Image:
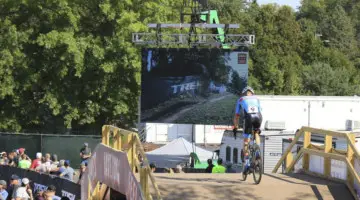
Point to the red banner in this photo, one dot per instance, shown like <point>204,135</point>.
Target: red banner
<point>220,127</point>
<point>242,58</point>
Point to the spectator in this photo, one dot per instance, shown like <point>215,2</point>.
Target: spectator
<point>152,167</point>
<point>37,161</point>
<point>85,153</point>
<point>3,159</point>
<point>219,168</point>
<point>3,193</point>
<point>229,168</point>
<point>54,159</point>
<point>21,152</point>
<point>39,195</point>
<point>210,166</point>
<point>42,167</point>
<point>15,183</point>
<point>12,159</point>
<point>25,162</point>
<point>82,170</point>
<point>49,193</point>
<point>69,172</point>
<point>24,192</point>
<point>54,164</point>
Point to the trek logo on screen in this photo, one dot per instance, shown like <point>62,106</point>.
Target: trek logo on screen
<point>185,87</point>
<point>242,58</point>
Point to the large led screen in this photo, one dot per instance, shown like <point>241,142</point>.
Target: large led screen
<point>191,86</point>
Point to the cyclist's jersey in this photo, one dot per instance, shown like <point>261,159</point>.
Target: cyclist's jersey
<point>248,104</point>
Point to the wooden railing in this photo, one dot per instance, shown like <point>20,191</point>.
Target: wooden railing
<point>129,142</point>
<point>327,152</point>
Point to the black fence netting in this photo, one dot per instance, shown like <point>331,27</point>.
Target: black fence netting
<point>64,146</point>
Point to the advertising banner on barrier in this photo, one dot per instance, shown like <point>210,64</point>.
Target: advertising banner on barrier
<point>112,168</point>
<point>357,169</point>
<point>42,181</point>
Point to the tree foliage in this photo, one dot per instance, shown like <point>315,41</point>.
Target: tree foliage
<point>71,64</point>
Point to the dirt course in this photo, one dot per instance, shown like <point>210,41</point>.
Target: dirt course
<point>229,186</point>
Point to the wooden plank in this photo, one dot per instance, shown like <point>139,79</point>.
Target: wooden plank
<point>289,160</point>
<point>353,173</point>
<point>324,132</point>
<point>298,156</point>
<point>307,144</point>
<point>146,164</point>
<point>351,144</point>
<point>325,155</point>
<point>288,150</point>
<point>327,161</point>
<point>350,156</point>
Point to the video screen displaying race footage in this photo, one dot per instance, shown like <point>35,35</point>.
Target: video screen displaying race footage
<point>191,86</point>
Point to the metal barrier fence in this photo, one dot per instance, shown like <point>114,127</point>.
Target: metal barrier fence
<point>329,155</point>
<point>65,146</point>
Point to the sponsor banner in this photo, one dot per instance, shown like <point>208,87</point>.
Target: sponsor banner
<point>111,168</point>
<point>42,181</point>
<point>161,89</point>
<point>357,169</point>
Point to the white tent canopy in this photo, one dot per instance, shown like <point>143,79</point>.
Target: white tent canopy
<point>177,151</point>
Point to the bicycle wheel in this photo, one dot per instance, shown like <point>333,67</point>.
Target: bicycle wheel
<point>244,174</point>
<point>257,166</point>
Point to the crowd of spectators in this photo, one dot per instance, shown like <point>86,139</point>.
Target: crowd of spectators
<point>48,164</point>
<point>20,189</point>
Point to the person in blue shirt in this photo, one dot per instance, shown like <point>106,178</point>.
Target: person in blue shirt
<point>3,193</point>
<point>248,106</point>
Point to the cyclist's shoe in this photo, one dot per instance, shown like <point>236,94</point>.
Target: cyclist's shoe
<point>235,132</point>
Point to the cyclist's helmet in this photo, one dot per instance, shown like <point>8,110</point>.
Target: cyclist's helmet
<point>248,88</point>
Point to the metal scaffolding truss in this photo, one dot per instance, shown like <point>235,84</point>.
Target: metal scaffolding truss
<point>234,40</point>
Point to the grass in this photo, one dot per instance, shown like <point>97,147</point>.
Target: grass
<point>218,113</point>
<point>172,106</point>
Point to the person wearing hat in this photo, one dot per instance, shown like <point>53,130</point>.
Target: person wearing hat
<point>3,193</point>
<point>68,172</point>
<point>24,192</point>
<point>15,183</point>
<point>85,153</point>
<point>3,158</point>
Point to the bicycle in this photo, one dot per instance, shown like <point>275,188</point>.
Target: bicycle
<point>255,159</point>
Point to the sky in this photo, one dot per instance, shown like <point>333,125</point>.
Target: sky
<point>292,3</point>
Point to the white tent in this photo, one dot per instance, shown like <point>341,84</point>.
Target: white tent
<point>177,151</point>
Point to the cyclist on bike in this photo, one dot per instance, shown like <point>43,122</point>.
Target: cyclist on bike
<point>248,106</point>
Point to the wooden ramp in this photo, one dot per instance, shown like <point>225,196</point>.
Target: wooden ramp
<point>229,186</point>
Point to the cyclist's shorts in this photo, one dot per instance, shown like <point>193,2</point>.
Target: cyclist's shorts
<point>252,121</point>
<point>246,136</point>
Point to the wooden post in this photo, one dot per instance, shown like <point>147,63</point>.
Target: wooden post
<point>289,160</point>
<point>134,155</point>
<point>327,160</point>
<point>351,158</point>
<point>144,182</point>
<point>103,134</point>
<point>307,143</point>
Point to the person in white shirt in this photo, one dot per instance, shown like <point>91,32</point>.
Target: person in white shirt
<point>24,192</point>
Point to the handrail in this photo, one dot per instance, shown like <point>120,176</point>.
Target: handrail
<point>129,142</point>
<point>326,151</point>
